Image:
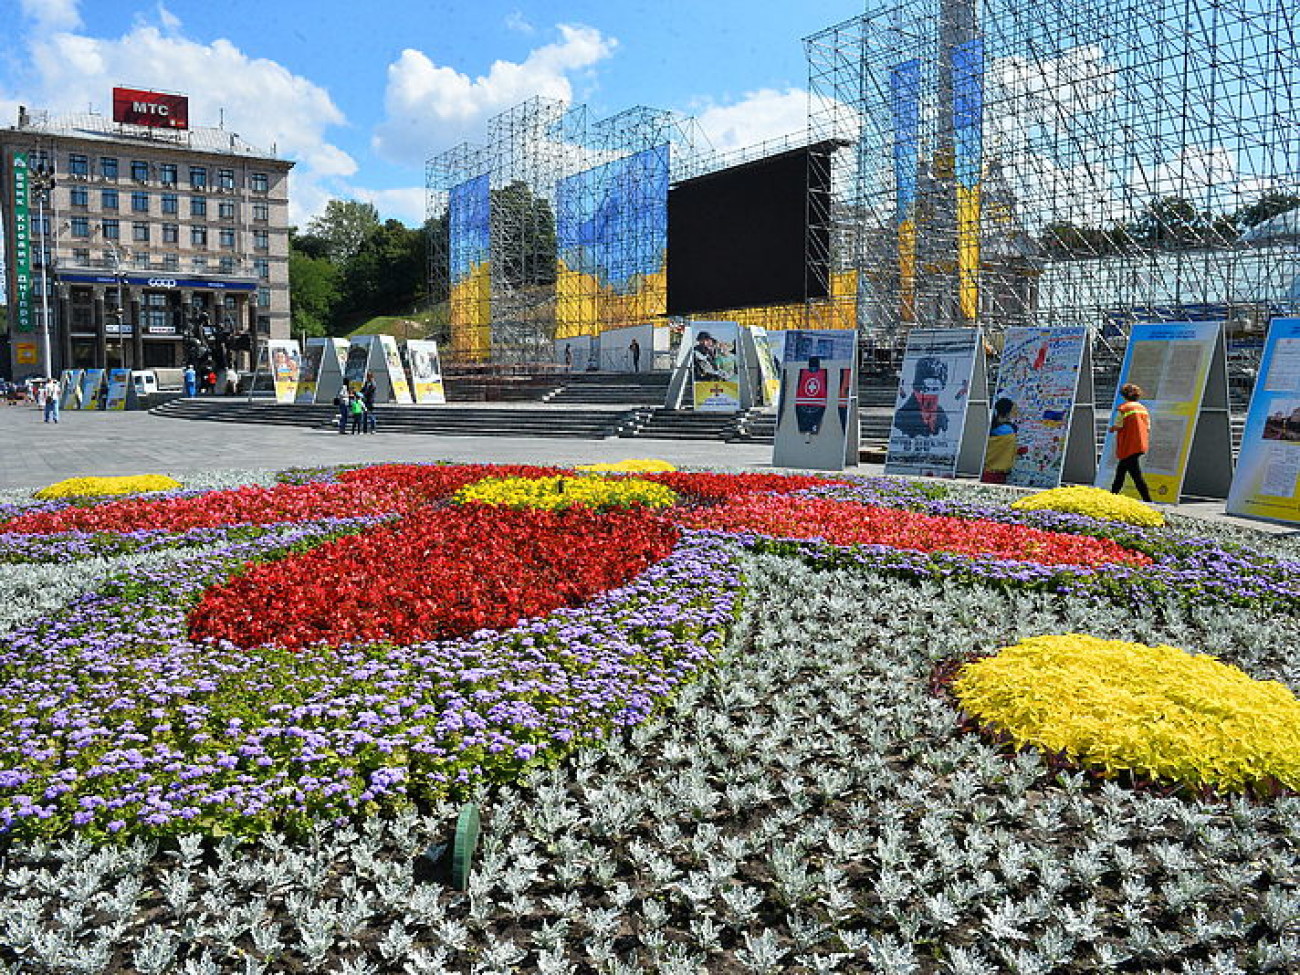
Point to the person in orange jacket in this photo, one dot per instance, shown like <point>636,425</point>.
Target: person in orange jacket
<point>1133,438</point>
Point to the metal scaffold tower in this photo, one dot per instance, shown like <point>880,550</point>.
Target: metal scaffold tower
<point>532,225</point>
<point>1088,162</point>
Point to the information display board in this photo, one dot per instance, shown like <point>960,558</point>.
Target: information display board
<point>1267,484</point>
<point>118,380</point>
<point>331,356</point>
<point>70,390</point>
<point>390,378</point>
<point>715,367</point>
<point>1182,370</point>
<point>309,372</point>
<point>426,371</point>
<point>935,432</point>
<point>92,381</point>
<point>1043,422</point>
<point>817,413</point>
<point>285,364</point>
<point>765,358</point>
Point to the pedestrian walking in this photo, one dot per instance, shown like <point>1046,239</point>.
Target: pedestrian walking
<point>1133,438</point>
<point>191,381</point>
<point>52,391</point>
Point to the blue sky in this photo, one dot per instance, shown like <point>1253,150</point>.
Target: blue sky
<point>360,95</point>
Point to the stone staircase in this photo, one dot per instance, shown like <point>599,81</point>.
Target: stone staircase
<point>444,421</point>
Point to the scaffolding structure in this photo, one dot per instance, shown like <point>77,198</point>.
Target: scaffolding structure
<point>549,176</point>
<point>1064,162</point>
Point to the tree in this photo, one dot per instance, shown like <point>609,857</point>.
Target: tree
<point>343,226</point>
<point>1266,207</point>
<point>313,293</point>
<point>1174,223</point>
<point>388,273</point>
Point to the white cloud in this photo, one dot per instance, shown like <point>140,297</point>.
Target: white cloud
<point>52,15</point>
<point>758,117</point>
<point>430,107</point>
<point>261,100</point>
<point>516,21</point>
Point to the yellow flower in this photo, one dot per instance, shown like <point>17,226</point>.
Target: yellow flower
<point>98,487</point>
<point>632,466</point>
<point>1095,503</point>
<point>562,492</point>
<point>1156,711</point>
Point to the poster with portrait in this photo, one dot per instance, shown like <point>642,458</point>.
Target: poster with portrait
<point>285,364</point>
<point>70,390</point>
<point>1182,370</point>
<point>1267,483</point>
<point>426,371</point>
<point>943,374</point>
<point>118,380</point>
<point>92,381</point>
<point>715,367</point>
<point>1041,402</point>
<point>390,378</point>
<point>817,410</point>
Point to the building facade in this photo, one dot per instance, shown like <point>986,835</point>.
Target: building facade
<point>143,247</point>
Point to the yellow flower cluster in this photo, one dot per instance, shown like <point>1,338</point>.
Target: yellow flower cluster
<point>1095,503</point>
<point>100,487</point>
<point>631,466</point>
<point>564,492</point>
<point>1159,712</point>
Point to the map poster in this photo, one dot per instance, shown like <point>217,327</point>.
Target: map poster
<point>817,412</point>
<point>943,370</point>
<point>1033,406</point>
<point>1267,483</point>
<point>1172,362</point>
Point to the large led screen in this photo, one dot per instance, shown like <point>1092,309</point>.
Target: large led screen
<point>742,236</point>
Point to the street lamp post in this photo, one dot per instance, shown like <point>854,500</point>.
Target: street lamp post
<point>42,182</point>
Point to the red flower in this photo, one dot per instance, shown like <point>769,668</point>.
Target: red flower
<point>437,573</point>
<point>849,523</point>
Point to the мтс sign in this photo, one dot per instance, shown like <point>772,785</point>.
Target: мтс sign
<point>132,106</point>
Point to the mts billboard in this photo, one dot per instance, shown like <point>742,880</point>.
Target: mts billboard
<point>134,107</point>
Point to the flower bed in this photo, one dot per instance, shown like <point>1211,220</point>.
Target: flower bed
<point>1156,712</point>
<point>1095,503</point>
<point>436,574</point>
<point>846,523</point>
<point>96,487</point>
<point>671,780</point>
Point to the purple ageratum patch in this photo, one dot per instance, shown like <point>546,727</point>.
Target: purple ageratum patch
<point>112,720</point>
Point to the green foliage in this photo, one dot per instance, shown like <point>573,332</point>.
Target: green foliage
<point>1265,208</point>
<point>314,292</point>
<point>386,274</point>
<point>344,226</point>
